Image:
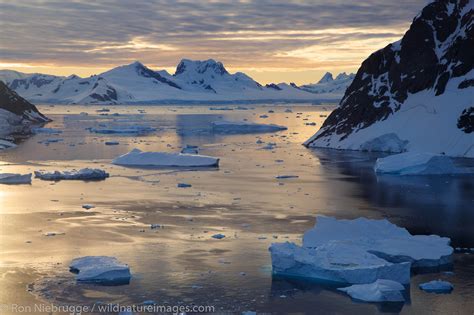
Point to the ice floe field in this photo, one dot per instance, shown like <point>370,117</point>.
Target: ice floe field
<point>200,233</point>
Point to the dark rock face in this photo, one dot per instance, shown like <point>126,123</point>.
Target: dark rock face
<point>12,102</point>
<point>273,86</point>
<point>466,120</point>
<point>147,73</point>
<point>438,47</point>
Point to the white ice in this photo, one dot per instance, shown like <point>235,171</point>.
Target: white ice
<point>379,291</point>
<point>165,159</point>
<point>437,286</point>
<point>4,144</point>
<point>11,178</point>
<point>416,163</point>
<point>359,251</point>
<point>82,174</point>
<point>101,270</point>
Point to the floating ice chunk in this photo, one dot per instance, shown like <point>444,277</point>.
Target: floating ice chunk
<point>50,140</point>
<point>384,239</point>
<point>286,176</point>
<point>103,270</point>
<point>437,286</point>
<point>263,116</point>
<point>50,131</point>
<point>359,251</point>
<point>288,110</point>
<point>239,127</point>
<point>335,262</point>
<point>218,236</point>
<point>388,142</point>
<point>190,149</point>
<point>112,143</point>
<point>88,206</point>
<point>415,163</point>
<point>184,185</point>
<point>136,130</point>
<point>4,144</point>
<point>379,291</point>
<point>163,159</point>
<point>221,108</point>
<point>11,178</point>
<point>83,174</point>
<point>49,234</point>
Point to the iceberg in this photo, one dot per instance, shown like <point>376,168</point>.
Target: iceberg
<point>50,131</point>
<point>83,174</point>
<point>163,159</point>
<point>242,127</point>
<point>437,286</point>
<point>359,251</point>
<point>103,270</point>
<point>415,163</point>
<point>190,149</point>
<point>379,291</point>
<point>11,178</point>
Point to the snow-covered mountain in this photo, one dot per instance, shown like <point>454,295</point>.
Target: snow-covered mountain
<point>330,86</point>
<point>416,94</point>
<point>193,81</point>
<point>16,114</point>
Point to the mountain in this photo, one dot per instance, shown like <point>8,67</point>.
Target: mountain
<point>193,81</point>
<point>329,86</point>
<point>16,113</point>
<point>414,94</point>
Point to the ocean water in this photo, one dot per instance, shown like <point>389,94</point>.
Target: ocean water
<point>181,264</point>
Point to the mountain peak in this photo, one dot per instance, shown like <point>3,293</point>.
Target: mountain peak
<point>327,77</point>
<point>200,67</point>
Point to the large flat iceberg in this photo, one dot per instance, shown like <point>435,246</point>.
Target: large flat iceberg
<point>11,178</point>
<point>103,270</point>
<point>359,251</point>
<point>83,174</point>
<point>379,291</point>
<point>416,163</point>
<point>132,130</point>
<point>239,127</point>
<point>163,159</point>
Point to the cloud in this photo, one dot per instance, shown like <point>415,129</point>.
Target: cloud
<point>262,33</point>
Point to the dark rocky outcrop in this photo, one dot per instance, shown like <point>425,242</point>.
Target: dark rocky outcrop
<point>12,102</point>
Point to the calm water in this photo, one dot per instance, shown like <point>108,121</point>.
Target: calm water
<point>181,263</point>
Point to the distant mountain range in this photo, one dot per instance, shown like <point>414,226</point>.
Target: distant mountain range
<point>193,81</point>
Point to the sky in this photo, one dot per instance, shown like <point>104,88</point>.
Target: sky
<point>270,40</point>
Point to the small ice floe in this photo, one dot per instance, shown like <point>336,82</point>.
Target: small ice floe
<point>221,108</point>
<point>379,291</point>
<point>149,302</point>
<point>156,226</point>
<point>259,141</point>
<point>286,176</point>
<point>242,127</point>
<point>4,144</point>
<point>269,146</point>
<point>163,159</point>
<point>437,286</point>
<point>50,140</point>
<point>88,206</point>
<point>11,178</point>
<point>389,142</point>
<point>112,143</point>
<point>416,163</point>
<point>50,131</point>
<point>218,236</point>
<point>132,130</point>
<point>310,124</point>
<point>183,185</point>
<point>82,174</point>
<point>359,251</point>
<point>102,270</point>
<point>50,234</point>
<point>190,149</point>
<point>288,110</point>
<point>263,116</point>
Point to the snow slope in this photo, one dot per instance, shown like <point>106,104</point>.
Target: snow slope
<point>420,89</point>
<point>329,86</point>
<point>193,81</point>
